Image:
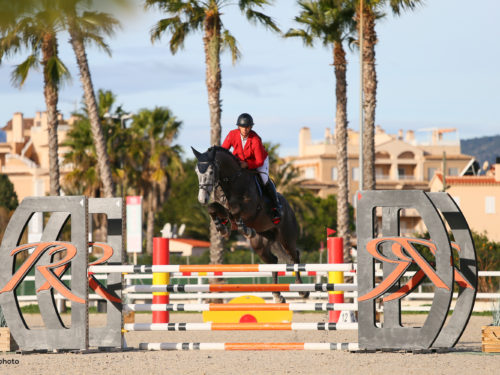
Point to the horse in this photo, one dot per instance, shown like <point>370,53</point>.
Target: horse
<point>239,200</point>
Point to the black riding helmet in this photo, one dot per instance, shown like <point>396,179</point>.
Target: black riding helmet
<point>244,120</point>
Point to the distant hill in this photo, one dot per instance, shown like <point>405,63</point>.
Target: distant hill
<point>482,148</point>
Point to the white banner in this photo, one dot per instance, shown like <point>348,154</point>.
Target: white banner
<point>134,224</point>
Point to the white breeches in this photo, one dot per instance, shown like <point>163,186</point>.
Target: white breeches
<point>264,171</point>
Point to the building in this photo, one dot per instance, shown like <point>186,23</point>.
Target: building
<point>24,157</point>
<point>187,247</point>
<point>401,163</point>
<point>477,196</point>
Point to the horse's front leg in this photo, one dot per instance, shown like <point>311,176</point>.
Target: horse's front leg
<point>277,296</point>
<point>262,247</point>
<point>244,230</point>
<point>289,245</point>
<point>220,218</point>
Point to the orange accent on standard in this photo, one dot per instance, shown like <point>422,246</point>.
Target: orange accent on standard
<point>264,346</point>
<point>107,252</point>
<point>402,265</point>
<point>461,280</point>
<point>28,263</point>
<point>251,326</point>
<point>249,307</point>
<point>407,288</point>
<point>219,268</point>
<point>53,280</point>
<point>96,286</point>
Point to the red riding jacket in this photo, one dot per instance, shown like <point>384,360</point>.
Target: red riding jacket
<point>254,152</point>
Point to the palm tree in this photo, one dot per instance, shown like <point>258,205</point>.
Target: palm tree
<point>188,16</point>
<point>371,10</point>
<point>331,22</point>
<point>33,26</point>
<point>87,26</point>
<point>84,177</point>
<point>153,160</point>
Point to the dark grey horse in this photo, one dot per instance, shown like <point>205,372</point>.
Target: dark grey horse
<point>239,202</point>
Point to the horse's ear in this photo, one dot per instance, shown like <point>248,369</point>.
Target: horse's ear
<point>196,153</point>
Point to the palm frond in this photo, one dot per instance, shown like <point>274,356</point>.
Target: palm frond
<point>229,42</point>
<point>56,72</point>
<point>398,6</point>
<point>307,38</point>
<point>265,20</point>
<point>21,71</point>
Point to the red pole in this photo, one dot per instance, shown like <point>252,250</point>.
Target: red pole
<point>161,256</point>
<point>335,246</point>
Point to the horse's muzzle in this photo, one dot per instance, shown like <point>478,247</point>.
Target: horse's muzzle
<point>203,196</point>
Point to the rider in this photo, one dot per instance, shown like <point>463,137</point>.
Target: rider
<point>248,148</point>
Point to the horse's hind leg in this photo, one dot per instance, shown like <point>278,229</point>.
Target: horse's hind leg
<point>289,245</point>
<point>262,247</point>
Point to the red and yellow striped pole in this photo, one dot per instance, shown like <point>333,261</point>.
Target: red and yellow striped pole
<point>335,246</point>
<point>161,256</point>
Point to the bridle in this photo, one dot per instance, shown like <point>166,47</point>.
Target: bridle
<point>217,181</point>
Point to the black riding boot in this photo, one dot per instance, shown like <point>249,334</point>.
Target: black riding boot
<point>276,209</point>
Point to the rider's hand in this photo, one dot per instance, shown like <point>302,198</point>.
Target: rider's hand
<point>243,164</point>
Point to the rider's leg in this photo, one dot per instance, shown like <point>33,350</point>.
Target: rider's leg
<point>271,192</point>
<point>270,189</point>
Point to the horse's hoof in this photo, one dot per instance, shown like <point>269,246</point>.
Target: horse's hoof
<point>304,294</point>
<point>279,299</point>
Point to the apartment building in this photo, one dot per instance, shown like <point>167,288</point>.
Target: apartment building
<point>477,196</point>
<point>24,157</point>
<point>402,162</point>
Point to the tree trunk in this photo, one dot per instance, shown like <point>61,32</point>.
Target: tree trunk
<point>370,98</point>
<point>340,64</point>
<point>103,162</point>
<point>211,43</point>
<point>50,90</point>
<point>150,221</point>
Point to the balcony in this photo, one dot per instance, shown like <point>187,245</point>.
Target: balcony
<point>406,177</point>
<point>381,177</point>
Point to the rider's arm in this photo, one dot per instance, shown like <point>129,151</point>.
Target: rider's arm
<point>259,152</point>
<point>228,141</point>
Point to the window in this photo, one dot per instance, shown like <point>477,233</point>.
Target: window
<point>452,171</point>
<point>309,172</point>
<point>335,174</point>
<point>401,173</point>
<point>489,205</point>
<point>430,173</point>
<point>355,174</point>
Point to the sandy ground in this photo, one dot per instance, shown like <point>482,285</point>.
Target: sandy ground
<point>467,359</point>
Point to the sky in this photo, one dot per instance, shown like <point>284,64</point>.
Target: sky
<point>437,66</point>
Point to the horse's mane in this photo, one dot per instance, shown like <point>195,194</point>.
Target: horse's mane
<point>225,151</point>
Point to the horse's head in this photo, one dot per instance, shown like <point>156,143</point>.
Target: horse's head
<point>206,171</point>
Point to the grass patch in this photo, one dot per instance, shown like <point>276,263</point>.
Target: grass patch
<point>34,309</point>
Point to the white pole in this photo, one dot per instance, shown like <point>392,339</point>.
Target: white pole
<point>361,99</point>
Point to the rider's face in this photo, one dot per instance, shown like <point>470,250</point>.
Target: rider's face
<point>244,131</point>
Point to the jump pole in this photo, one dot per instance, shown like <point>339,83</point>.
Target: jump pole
<point>335,246</point>
<point>161,257</point>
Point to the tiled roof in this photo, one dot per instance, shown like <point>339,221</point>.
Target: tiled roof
<point>194,243</point>
<point>27,122</point>
<point>468,180</point>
